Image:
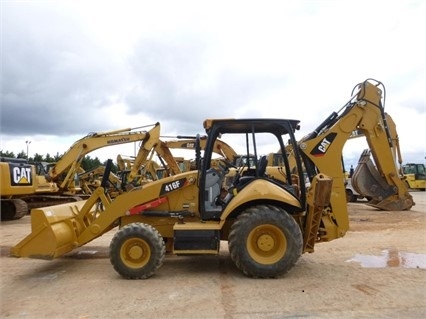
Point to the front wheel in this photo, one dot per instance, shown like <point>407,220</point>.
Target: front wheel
<point>137,250</point>
<point>265,242</point>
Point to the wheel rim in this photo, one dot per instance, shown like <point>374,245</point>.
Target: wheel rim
<point>135,253</point>
<point>266,244</point>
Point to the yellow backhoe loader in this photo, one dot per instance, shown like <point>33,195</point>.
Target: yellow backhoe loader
<point>268,223</point>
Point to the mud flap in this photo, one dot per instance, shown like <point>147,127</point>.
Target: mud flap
<point>368,182</point>
<point>52,234</point>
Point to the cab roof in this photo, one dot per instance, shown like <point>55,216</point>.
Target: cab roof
<point>260,125</point>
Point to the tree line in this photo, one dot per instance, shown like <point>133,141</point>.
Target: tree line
<point>88,163</point>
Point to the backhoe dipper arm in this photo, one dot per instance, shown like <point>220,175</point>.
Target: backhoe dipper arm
<point>322,150</point>
<point>71,159</point>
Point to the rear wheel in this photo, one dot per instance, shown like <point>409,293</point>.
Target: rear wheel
<point>350,197</point>
<point>137,251</point>
<point>265,242</point>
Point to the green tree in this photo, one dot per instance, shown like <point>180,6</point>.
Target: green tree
<point>49,158</point>
<point>37,158</point>
<point>7,154</point>
<point>57,157</point>
<point>22,154</point>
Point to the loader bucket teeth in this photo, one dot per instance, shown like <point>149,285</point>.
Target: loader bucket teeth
<point>367,181</point>
<point>53,233</point>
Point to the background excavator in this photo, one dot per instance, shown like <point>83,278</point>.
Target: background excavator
<point>22,189</point>
<point>153,161</point>
<point>18,179</point>
<point>268,223</point>
<point>60,184</point>
<point>70,163</point>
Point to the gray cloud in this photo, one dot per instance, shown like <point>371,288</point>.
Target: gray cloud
<point>65,70</point>
<point>172,83</point>
<point>59,81</point>
<point>55,80</point>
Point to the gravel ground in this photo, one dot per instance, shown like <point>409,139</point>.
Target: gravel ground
<point>376,271</point>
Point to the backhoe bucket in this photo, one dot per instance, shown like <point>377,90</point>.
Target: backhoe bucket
<point>54,232</point>
<point>368,182</point>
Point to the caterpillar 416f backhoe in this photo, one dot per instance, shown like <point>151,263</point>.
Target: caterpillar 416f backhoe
<point>268,223</point>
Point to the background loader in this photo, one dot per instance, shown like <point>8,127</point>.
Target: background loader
<point>267,222</point>
<point>415,176</point>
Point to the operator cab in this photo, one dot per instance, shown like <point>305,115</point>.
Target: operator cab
<point>221,179</point>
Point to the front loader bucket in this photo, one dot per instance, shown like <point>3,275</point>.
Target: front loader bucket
<point>368,182</point>
<point>54,232</point>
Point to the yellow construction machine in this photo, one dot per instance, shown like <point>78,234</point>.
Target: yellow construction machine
<point>134,171</point>
<point>18,179</point>
<point>143,168</point>
<point>66,170</point>
<point>220,148</point>
<point>90,180</point>
<point>66,181</point>
<point>22,189</point>
<point>415,176</point>
<point>268,223</point>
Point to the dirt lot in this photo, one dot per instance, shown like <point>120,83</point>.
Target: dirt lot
<point>376,271</point>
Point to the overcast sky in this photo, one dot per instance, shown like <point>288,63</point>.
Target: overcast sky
<point>73,67</point>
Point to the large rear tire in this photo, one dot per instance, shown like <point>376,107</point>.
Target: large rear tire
<point>265,242</point>
<point>137,250</point>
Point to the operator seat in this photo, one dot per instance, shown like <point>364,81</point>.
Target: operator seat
<point>261,166</point>
<point>213,188</point>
